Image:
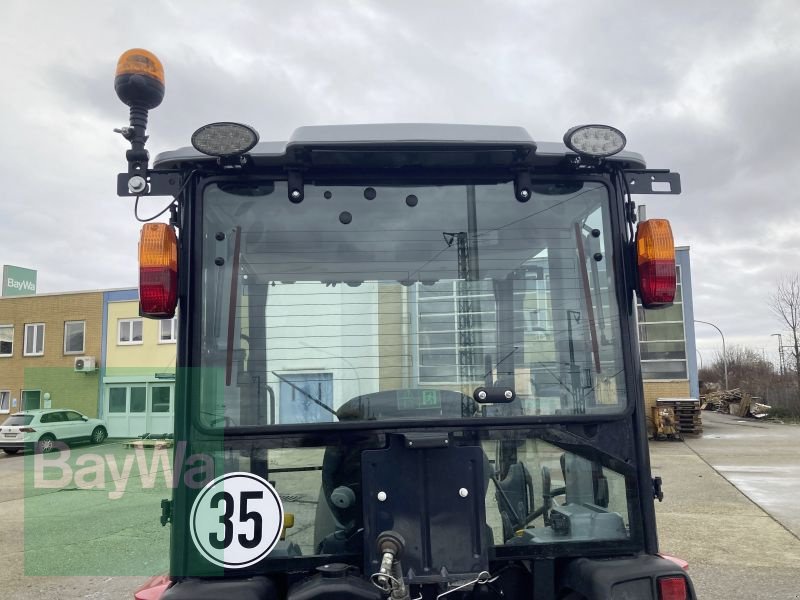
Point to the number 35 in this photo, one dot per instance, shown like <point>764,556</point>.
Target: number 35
<point>228,521</point>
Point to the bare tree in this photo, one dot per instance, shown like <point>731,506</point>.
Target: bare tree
<point>785,303</point>
<point>747,369</point>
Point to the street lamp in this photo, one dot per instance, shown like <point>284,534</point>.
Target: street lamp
<point>724,353</point>
<point>780,351</point>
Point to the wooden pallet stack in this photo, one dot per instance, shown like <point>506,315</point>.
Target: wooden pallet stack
<point>687,413</point>
<point>737,403</point>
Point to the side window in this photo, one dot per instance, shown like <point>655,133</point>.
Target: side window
<point>74,335</point>
<point>34,339</point>
<point>73,416</point>
<point>6,340</point>
<point>130,331</point>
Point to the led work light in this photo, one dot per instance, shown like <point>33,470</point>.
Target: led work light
<point>595,140</point>
<point>224,139</point>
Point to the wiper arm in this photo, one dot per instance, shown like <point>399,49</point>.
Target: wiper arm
<point>315,400</point>
<point>232,304</point>
<point>587,296</point>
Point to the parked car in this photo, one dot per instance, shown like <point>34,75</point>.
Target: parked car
<point>40,429</point>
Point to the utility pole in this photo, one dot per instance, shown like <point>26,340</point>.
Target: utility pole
<point>468,302</point>
<point>780,352</point>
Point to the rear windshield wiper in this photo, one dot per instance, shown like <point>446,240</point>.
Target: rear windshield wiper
<point>314,399</point>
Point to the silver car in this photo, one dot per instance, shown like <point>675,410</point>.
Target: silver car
<point>40,429</point>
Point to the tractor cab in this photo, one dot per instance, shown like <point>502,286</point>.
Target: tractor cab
<point>407,359</point>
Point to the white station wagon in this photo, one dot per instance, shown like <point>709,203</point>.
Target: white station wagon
<point>40,429</point>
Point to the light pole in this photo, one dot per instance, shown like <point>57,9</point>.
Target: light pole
<point>724,353</point>
<point>780,351</point>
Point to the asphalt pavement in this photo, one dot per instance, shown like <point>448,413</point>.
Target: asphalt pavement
<point>727,504</point>
<point>729,510</point>
<point>760,458</point>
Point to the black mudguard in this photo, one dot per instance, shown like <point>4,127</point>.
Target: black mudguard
<point>621,578</point>
<point>256,588</point>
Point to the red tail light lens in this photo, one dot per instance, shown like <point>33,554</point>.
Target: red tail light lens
<point>158,271</point>
<point>27,430</point>
<point>672,588</point>
<point>655,257</point>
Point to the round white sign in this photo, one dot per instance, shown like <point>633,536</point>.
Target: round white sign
<point>236,520</point>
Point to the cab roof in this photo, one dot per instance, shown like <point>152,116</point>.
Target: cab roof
<point>402,144</point>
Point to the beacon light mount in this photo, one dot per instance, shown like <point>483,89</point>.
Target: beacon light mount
<point>139,84</point>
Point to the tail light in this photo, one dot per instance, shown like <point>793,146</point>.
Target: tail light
<point>655,257</point>
<point>158,271</point>
<point>672,588</point>
<point>27,430</point>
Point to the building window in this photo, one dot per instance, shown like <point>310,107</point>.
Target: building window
<point>130,331</point>
<point>138,399</point>
<point>74,334</point>
<point>34,339</point>
<point>31,399</point>
<point>160,399</point>
<point>662,339</point>
<point>447,357</point>
<point>442,359</point>
<point>168,332</point>
<point>6,340</point>
<point>117,400</point>
<point>5,401</point>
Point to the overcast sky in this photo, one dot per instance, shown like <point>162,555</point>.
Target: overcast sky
<point>708,89</point>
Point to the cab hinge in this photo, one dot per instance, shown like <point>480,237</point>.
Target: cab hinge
<point>658,494</point>
<point>630,211</point>
<point>166,512</point>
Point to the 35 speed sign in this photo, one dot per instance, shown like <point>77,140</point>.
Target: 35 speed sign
<point>236,520</point>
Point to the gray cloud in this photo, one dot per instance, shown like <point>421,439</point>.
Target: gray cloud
<point>708,89</point>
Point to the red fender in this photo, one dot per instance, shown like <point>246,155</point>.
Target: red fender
<point>153,588</point>
<point>678,561</point>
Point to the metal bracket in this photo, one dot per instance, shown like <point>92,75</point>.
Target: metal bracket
<point>166,512</point>
<point>523,186</point>
<point>150,183</point>
<point>658,494</point>
<point>421,440</point>
<point>652,181</point>
<point>295,181</point>
<point>493,395</point>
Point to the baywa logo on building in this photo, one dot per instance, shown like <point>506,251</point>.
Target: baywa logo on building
<point>22,286</point>
<point>115,474</point>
